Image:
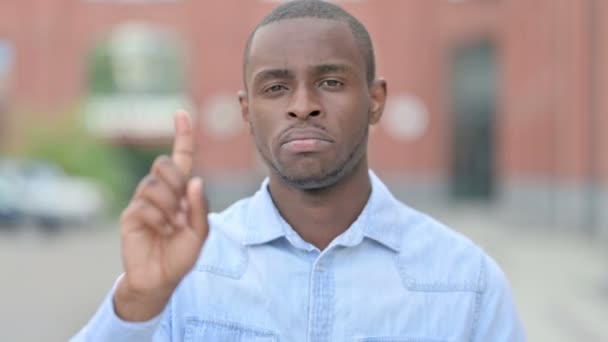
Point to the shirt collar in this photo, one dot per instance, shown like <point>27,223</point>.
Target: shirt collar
<point>381,220</point>
<point>264,222</point>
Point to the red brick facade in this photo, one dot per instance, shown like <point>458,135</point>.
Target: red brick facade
<point>550,114</point>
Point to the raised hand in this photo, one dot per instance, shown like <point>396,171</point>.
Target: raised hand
<point>162,230</point>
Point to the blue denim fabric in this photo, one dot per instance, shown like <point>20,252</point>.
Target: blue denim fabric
<point>394,275</point>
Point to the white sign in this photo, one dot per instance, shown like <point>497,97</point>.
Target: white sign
<point>405,117</point>
<point>221,117</point>
<point>134,116</point>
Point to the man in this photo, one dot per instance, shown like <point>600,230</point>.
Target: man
<point>323,251</point>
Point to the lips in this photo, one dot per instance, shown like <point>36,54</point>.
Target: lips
<point>304,134</point>
<point>305,140</point>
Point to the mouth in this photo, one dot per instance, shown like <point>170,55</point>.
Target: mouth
<point>305,140</point>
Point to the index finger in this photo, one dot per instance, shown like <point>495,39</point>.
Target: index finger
<point>183,145</point>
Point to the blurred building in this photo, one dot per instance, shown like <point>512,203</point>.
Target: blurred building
<point>493,101</point>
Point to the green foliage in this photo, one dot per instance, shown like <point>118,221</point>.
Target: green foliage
<point>101,78</point>
<point>156,66</point>
<point>67,144</point>
<point>140,159</point>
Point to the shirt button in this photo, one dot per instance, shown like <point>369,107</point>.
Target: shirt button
<point>320,268</point>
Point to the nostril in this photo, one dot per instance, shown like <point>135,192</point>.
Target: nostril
<point>292,114</point>
<point>315,113</point>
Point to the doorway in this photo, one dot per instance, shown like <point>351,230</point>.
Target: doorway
<point>473,82</point>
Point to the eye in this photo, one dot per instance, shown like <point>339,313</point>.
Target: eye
<point>274,88</point>
<point>331,83</point>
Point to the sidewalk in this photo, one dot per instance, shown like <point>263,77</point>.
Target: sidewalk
<point>560,280</point>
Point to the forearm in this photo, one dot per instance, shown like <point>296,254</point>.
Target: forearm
<point>106,325</point>
<point>135,306</point>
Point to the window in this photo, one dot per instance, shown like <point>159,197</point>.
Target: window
<point>136,82</point>
<point>474,87</point>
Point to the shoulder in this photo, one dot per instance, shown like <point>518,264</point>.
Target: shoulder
<point>434,257</point>
<point>223,253</point>
<point>231,222</point>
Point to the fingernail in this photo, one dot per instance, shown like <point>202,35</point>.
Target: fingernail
<point>168,229</point>
<point>185,113</point>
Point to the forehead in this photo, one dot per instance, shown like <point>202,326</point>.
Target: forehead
<point>301,43</point>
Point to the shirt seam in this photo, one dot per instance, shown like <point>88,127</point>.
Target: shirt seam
<point>478,298</point>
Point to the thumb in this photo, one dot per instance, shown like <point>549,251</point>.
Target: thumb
<point>198,207</point>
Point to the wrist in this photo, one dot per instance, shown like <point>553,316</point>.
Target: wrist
<point>138,306</point>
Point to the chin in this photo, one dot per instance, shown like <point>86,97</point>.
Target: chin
<point>315,173</point>
<point>310,183</point>
<point>307,178</point>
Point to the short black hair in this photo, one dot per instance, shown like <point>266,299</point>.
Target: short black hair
<point>320,10</point>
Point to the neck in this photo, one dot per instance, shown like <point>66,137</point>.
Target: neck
<point>319,216</point>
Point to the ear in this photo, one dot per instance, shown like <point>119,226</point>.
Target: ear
<point>244,102</point>
<point>378,91</point>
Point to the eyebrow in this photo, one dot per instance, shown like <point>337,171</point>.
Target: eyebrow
<point>283,74</point>
<point>269,74</point>
<point>330,68</point>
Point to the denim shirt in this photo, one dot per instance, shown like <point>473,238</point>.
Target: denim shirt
<point>394,275</point>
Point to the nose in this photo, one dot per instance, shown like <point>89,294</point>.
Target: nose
<point>304,103</point>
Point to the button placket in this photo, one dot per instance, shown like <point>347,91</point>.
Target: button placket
<point>321,303</point>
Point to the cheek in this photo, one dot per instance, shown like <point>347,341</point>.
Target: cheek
<point>264,125</point>
<point>352,100</point>
<point>351,116</point>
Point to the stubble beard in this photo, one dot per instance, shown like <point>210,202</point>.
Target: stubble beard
<point>329,178</point>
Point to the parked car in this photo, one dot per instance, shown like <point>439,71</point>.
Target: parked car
<point>43,193</point>
<point>10,213</point>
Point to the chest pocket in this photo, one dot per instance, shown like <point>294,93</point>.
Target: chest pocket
<point>199,330</point>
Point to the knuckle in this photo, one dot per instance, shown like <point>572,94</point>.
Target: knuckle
<point>128,212</point>
<point>162,193</point>
<point>164,164</point>
<point>174,171</point>
<point>124,216</point>
<point>183,181</point>
<point>162,199</point>
<point>178,176</point>
<point>173,203</point>
<point>162,161</point>
<point>142,206</point>
<point>154,217</point>
<point>166,195</point>
<point>150,181</point>
<point>151,215</point>
<point>178,184</point>
<point>158,219</point>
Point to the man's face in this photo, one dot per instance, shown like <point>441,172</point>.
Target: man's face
<point>309,104</point>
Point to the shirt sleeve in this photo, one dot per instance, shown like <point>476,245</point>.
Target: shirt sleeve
<point>497,319</point>
<point>107,326</point>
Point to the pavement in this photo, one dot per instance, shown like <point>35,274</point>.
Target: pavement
<point>559,278</point>
<point>51,284</point>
